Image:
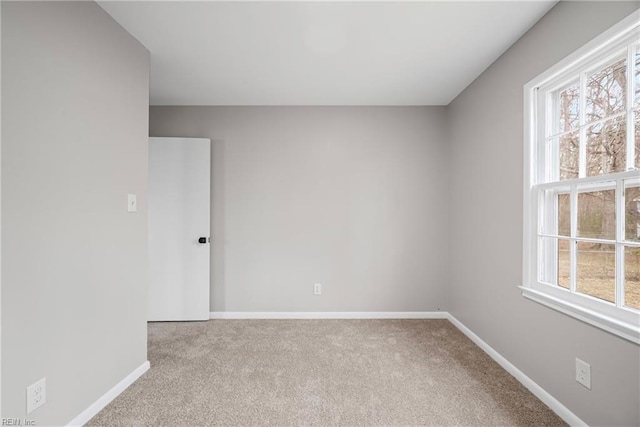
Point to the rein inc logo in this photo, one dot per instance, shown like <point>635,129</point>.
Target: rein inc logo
<point>18,422</point>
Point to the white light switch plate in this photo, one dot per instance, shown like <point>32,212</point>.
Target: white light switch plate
<point>132,203</point>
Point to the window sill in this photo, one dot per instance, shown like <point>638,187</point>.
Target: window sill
<point>628,331</point>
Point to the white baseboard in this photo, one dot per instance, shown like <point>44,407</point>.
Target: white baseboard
<point>106,398</point>
<point>328,315</point>
<point>555,405</point>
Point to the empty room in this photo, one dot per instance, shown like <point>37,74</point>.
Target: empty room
<point>349,213</point>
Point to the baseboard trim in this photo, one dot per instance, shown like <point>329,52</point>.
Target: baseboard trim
<point>553,403</point>
<point>106,398</point>
<point>328,315</point>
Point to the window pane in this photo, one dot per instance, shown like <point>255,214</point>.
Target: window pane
<point>632,277</point>
<point>555,261</point>
<point>597,214</point>
<point>596,269</point>
<point>564,214</point>
<point>632,213</point>
<point>569,149</point>
<point>548,248</point>
<point>606,91</point>
<point>606,147</point>
<point>568,105</point>
<point>564,263</point>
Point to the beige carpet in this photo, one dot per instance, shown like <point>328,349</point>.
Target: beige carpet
<point>321,372</point>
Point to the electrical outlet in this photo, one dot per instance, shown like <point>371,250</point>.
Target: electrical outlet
<point>583,373</point>
<point>317,289</point>
<point>36,395</point>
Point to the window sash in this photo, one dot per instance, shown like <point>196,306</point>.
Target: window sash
<point>548,109</point>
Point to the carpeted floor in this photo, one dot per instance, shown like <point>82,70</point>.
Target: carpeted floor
<point>321,372</point>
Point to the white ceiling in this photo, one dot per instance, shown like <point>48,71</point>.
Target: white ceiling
<point>320,53</point>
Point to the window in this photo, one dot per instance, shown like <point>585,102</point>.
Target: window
<point>582,183</point>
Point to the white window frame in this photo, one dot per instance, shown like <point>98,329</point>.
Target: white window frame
<point>612,317</point>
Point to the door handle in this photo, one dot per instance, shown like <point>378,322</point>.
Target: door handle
<point>202,240</point>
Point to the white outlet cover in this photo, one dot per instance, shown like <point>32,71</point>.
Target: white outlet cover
<point>583,373</point>
<point>317,288</point>
<point>36,395</point>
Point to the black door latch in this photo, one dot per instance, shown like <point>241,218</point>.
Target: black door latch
<point>202,240</point>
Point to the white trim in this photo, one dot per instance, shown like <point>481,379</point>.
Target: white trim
<point>589,183</point>
<point>546,398</point>
<point>529,229</point>
<point>328,315</point>
<point>617,327</point>
<point>109,396</point>
<point>609,37</point>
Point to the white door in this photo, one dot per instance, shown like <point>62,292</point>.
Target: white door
<point>179,193</point>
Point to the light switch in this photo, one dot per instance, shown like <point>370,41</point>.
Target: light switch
<point>132,203</point>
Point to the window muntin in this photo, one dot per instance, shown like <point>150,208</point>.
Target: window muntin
<point>584,188</point>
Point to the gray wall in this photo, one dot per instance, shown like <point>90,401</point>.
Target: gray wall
<point>352,198</point>
<point>74,143</point>
<point>486,225</point>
